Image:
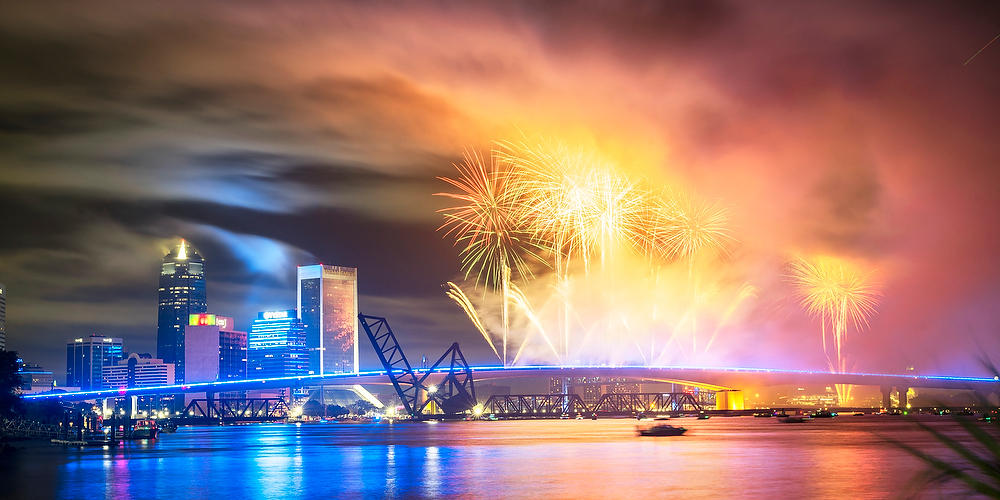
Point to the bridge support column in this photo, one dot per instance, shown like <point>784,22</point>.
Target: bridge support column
<point>886,397</point>
<point>210,404</point>
<point>902,397</point>
<point>729,400</point>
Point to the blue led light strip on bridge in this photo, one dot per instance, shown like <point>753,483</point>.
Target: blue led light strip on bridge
<point>222,386</point>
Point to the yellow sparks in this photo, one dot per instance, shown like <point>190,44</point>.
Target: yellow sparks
<point>841,296</point>
<point>455,293</point>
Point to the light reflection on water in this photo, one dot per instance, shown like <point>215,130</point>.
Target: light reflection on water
<point>512,459</point>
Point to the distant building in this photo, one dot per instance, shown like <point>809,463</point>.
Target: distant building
<point>214,349</point>
<point>591,389</point>
<point>3,317</point>
<point>86,358</point>
<point>138,371</point>
<point>34,378</point>
<point>276,346</point>
<point>328,306</point>
<point>181,293</point>
<point>557,385</point>
<point>622,385</point>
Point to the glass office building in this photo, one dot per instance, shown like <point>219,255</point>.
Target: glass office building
<point>181,293</point>
<point>86,358</point>
<point>328,306</point>
<point>276,346</point>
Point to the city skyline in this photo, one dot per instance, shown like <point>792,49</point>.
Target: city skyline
<point>269,172</point>
<point>688,248</point>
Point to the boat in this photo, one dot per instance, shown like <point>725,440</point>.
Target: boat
<point>662,430</point>
<point>824,414</point>
<point>704,416</point>
<point>794,419</point>
<point>593,417</point>
<point>664,417</point>
<point>81,442</point>
<point>144,429</point>
<point>763,414</point>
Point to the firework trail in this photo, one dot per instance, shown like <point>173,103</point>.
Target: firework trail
<point>746,292</point>
<point>842,297</point>
<point>519,299</point>
<point>695,228</point>
<point>455,293</point>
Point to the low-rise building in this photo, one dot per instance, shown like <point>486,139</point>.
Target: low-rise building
<point>138,371</point>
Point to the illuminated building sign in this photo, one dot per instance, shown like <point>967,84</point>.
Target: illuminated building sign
<point>202,319</point>
<point>277,314</point>
<point>224,323</point>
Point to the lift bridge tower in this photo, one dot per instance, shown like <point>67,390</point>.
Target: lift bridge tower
<point>455,394</point>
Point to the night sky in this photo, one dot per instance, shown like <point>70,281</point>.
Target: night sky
<point>276,134</point>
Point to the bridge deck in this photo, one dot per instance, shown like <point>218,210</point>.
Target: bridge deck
<point>721,377</point>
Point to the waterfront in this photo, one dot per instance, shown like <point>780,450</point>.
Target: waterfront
<point>742,456</point>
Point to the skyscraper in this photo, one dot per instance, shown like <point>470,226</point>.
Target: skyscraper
<point>3,317</point>
<point>276,346</point>
<point>328,306</point>
<point>181,293</point>
<point>86,358</point>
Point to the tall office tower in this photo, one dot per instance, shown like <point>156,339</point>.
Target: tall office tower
<point>328,306</point>
<point>3,317</point>
<point>86,358</point>
<point>276,346</point>
<point>182,293</point>
<point>214,349</point>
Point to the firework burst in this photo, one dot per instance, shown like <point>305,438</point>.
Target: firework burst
<point>693,228</point>
<point>573,212</point>
<point>485,226</point>
<point>842,297</point>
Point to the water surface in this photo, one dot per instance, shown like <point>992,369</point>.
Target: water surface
<point>748,457</point>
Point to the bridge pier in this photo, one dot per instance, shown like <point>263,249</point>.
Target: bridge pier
<point>902,396</point>
<point>210,403</point>
<point>729,400</point>
<point>887,396</point>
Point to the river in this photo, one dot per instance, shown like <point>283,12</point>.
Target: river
<point>748,457</point>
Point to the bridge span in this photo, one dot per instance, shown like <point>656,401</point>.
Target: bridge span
<point>713,378</point>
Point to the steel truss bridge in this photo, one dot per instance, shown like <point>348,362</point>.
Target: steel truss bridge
<point>448,386</point>
<point>237,409</point>
<point>611,404</point>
